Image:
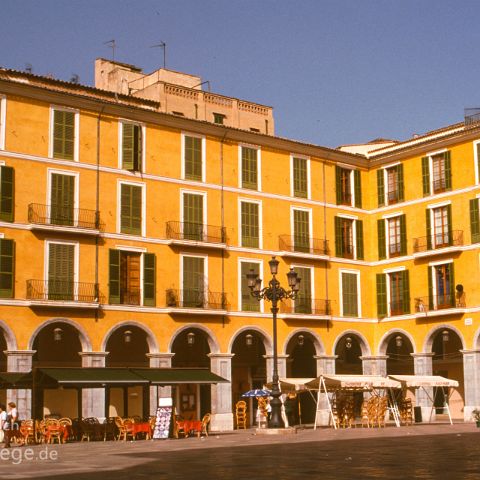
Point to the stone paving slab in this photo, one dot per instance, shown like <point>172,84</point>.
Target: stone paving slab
<point>364,453</point>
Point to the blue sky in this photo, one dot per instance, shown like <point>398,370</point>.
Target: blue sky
<point>336,72</point>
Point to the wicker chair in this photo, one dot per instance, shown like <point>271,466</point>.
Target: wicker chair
<point>205,421</point>
<point>241,414</point>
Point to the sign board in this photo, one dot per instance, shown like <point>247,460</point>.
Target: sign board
<point>163,419</point>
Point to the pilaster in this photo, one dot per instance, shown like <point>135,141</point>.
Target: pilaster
<point>326,366</point>
<point>281,365</point>
<point>159,360</point>
<point>471,382</point>
<point>222,415</point>
<point>374,365</point>
<point>422,363</point>
<point>93,399</point>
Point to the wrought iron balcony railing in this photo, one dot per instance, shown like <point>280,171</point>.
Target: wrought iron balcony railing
<point>195,298</point>
<point>438,240</point>
<point>307,306</point>
<point>64,216</point>
<point>439,185</point>
<point>393,197</point>
<point>399,307</point>
<point>62,291</point>
<point>198,232</point>
<point>438,302</point>
<point>297,244</point>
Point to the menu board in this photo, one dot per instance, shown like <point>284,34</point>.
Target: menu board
<point>163,419</point>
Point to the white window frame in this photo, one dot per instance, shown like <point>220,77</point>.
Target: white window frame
<point>310,223</point>
<point>434,280</point>
<point>142,251</point>
<point>183,191</point>
<point>385,181</point>
<point>292,189</point>
<point>359,292</point>
<point>351,180</point>
<point>259,166</point>
<point>203,150</point>
<point>387,273</point>
<point>354,219</point>
<point>387,219</point>
<point>119,204</point>
<point>142,125</point>
<point>431,209</point>
<point>476,161</point>
<point>312,280</point>
<point>239,280</point>
<point>76,134</point>
<point>3,120</point>
<point>76,262</point>
<point>76,175</point>
<point>205,272</point>
<point>260,221</point>
<point>430,156</point>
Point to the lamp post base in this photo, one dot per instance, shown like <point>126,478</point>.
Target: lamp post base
<point>276,420</point>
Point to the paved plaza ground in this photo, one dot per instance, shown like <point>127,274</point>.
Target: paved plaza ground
<point>420,451</point>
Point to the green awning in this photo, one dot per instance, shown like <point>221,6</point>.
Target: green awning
<point>15,379</point>
<point>175,376</point>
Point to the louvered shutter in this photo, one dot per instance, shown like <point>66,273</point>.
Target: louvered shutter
<point>60,271</point>
<point>474,221</point>
<point>249,303</point>
<point>63,134</point>
<point>381,187</point>
<point>451,275</point>
<point>149,277</point>
<point>449,224</point>
<point>114,276</point>
<point>62,193</point>
<point>426,176</point>
<point>401,188</point>
<point>403,234</point>
<point>7,193</point>
<point>359,229</point>
<point>127,146</point>
<point>448,170</point>
<point>250,224</point>
<point>406,291</point>
<point>430,287</point>
<point>300,177</point>
<point>7,267</point>
<point>301,231</point>
<point>338,237</point>
<point>131,209</point>
<point>249,168</point>
<point>382,247</point>
<point>358,188</point>
<point>193,158</point>
<point>338,184</point>
<point>429,229</point>
<point>381,295</point>
<point>193,282</point>
<point>193,216</point>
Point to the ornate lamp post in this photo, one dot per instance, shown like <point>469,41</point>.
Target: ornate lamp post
<point>274,293</point>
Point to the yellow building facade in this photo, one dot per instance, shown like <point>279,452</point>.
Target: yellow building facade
<point>126,232</point>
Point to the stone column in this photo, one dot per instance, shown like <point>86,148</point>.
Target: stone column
<point>222,415</point>
<point>20,361</point>
<point>93,399</point>
<point>159,360</point>
<point>281,364</point>
<point>325,365</point>
<point>374,365</point>
<point>471,382</point>
<point>422,363</point>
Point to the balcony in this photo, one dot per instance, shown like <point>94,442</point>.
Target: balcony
<point>304,247</point>
<point>437,305</point>
<point>437,244</point>
<point>306,309</point>
<point>195,301</point>
<point>60,293</point>
<point>196,234</point>
<point>439,185</point>
<point>393,197</point>
<point>64,219</point>
<point>397,307</point>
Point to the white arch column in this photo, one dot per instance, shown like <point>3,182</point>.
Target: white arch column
<point>422,363</point>
<point>20,361</point>
<point>93,399</point>
<point>159,360</point>
<point>471,382</point>
<point>374,365</point>
<point>222,415</point>
<point>281,364</point>
<point>325,365</point>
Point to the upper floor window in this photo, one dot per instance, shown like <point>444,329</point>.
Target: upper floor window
<point>7,268</point>
<point>193,216</point>
<point>301,230</point>
<point>3,118</point>
<point>193,158</point>
<point>303,300</point>
<point>350,293</point>
<point>132,277</point>
<point>348,238</point>
<point>475,220</point>
<point>64,142</point>
<point>131,208</point>
<point>62,270</point>
<point>392,236</point>
<point>441,283</point>
<point>436,173</point>
<point>219,118</point>
<point>393,293</point>
<point>390,185</point>
<point>194,281</point>
<point>348,187</point>
<point>7,193</point>
<point>248,302</point>
<point>250,168</point>
<point>300,177</point>
<point>250,224</point>
<point>439,227</point>
<point>62,198</point>
<point>131,153</point>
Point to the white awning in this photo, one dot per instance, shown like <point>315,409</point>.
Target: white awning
<point>288,385</point>
<point>417,381</point>
<point>354,382</point>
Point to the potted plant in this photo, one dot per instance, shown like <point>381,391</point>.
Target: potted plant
<point>476,416</point>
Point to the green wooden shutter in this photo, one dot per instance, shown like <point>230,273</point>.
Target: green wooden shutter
<point>62,193</point>
<point>349,294</point>
<point>448,170</point>
<point>381,187</point>
<point>381,295</point>
<point>359,231</point>
<point>193,158</point>
<point>7,193</point>
<point>382,246</point>
<point>63,134</point>
<point>338,184</point>
<point>193,282</point>
<point>300,177</point>
<point>149,276</point>
<point>131,209</point>
<point>429,229</point>
<point>114,276</point>
<point>131,146</point>
<point>358,188</point>
<point>301,230</point>
<point>60,271</point>
<point>250,224</point>
<point>403,234</point>
<point>406,292</point>
<point>7,267</point>
<point>401,188</point>
<point>478,160</point>
<point>193,216</point>
<point>249,303</point>
<point>338,237</point>
<point>430,287</point>
<point>474,220</point>
<point>303,301</point>
<point>449,223</point>
<point>249,168</point>
<point>426,176</point>
<point>451,269</point>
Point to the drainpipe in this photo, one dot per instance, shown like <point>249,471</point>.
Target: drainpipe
<point>222,217</point>
<point>325,232</point>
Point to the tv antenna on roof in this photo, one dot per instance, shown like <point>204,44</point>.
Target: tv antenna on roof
<point>112,45</point>
<point>164,46</point>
